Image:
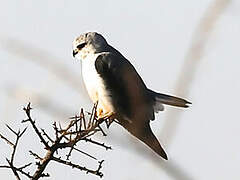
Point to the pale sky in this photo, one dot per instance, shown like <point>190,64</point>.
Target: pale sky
<point>36,41</point>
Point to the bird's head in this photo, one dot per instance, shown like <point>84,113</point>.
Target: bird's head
<point>88,43</point>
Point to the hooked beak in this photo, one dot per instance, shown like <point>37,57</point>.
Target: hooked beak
<point>75,51</point>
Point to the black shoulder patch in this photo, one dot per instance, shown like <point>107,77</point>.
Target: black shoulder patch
<point>107,63</point>
<point>102,64</point>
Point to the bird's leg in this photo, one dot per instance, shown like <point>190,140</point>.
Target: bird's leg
<point>103,111</point>
<point>109,118</point>
<point>107,115</point>
<point>99,112</point>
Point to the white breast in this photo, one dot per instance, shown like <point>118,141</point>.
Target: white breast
<point>94,83</point>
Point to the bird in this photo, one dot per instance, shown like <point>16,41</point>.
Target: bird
<point>119,91</point>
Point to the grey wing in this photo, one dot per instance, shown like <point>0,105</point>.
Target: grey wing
<point>130,98</point>
<point>129,93</point>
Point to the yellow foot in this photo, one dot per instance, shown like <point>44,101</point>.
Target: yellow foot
<point>99,112</point>
<point>109,115</point>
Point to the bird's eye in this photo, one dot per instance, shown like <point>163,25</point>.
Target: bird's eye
<point>80,46</point>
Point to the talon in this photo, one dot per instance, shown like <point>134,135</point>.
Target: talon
<point>99,113</point>
<point>108,115</point>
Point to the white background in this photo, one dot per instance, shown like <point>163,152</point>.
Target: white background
<point>35,53</point>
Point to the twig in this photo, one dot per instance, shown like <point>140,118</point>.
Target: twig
<point>27,110</point>
<point>85,153</point>
<point>95,172</point>
<point>25,166</point>
<point>10,162</point>
<point>18,134</point>
<point>13,169</point>
<point>64,138</point>
<point>35,155</point>
<point>47,136</point>
<point>18,170</point>
<point>97,143</point>
<point>5,139</point>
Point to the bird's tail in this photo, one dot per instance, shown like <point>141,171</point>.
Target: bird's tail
<point>146,135</point>
<point>169,100</point>
<point>150,139</point>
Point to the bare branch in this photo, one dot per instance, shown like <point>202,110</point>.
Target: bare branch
<point>97,143</point>
<point>13,169</point>
<point>11,166</point>
<point>95,172</point>
<point>18,134</point>
<point>35,155</point>
<point>25,166</point>
<point>67,137</point>
<point>14,132</point>
<point>47,136</point>
<point>5,139</point>
<point>18,170</point>
<point>27,110</point>
<point>85,153</point>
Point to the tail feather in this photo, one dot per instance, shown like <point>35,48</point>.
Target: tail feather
<point>170,100</point>
<point>145,134</point>
<point>150,139</point>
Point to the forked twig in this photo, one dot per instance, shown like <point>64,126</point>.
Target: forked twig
<point>64,138</point>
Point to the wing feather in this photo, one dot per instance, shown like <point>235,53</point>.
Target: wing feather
<point>130,98</point>
<point>129,93</point>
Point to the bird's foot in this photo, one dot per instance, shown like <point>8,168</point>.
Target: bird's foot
<point>108,118</point>
<point>99,112</point>
<point>108,115</point>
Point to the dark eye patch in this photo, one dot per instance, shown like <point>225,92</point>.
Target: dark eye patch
<point>80,46</point>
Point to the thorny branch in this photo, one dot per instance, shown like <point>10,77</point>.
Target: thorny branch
<point>79,129</point>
